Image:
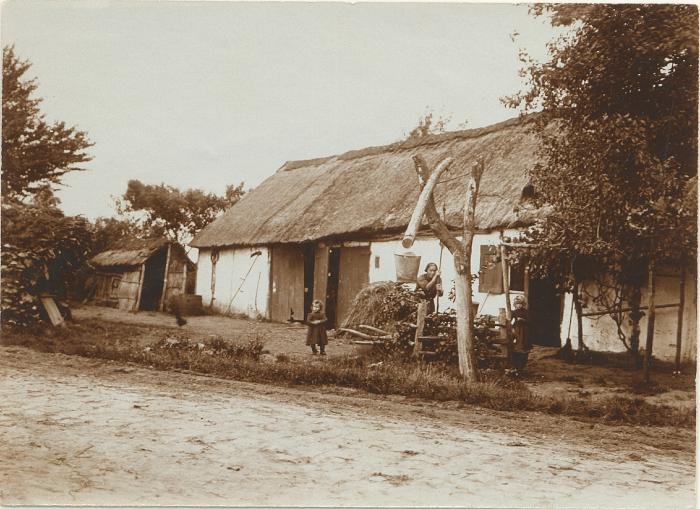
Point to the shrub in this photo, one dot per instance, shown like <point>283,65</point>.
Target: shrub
<point>41,250</point>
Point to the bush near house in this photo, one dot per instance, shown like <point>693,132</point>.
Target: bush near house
<point>41,250</point>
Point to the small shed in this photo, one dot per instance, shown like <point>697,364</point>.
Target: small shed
<point>142,275</point>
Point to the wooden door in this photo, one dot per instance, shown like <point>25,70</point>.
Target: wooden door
<point>287,283</point>
<point>332,287</point>
<point>353,275</point>
<point>544,313</point>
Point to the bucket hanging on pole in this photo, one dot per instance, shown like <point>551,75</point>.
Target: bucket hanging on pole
<point>407,267</point>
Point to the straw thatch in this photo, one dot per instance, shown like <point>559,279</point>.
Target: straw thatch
<point>128,253</point>
<point>374,190</point>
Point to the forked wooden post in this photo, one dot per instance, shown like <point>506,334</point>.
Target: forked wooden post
<point>506,292</point>
<point>461,251</point>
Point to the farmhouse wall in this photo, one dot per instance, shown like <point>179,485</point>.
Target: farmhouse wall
<point>600,332</point>
<point>383,268</point>
<point>241,284</point>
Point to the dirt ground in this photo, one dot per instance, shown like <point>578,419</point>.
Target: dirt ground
<point>85,431</point>
<point>278,337</point>
<point>544,375</point>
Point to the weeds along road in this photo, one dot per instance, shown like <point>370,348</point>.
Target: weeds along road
<point>82,431</point>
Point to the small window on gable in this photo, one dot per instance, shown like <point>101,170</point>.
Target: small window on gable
<point>490,272</point>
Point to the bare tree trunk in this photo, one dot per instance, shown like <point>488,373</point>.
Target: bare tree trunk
<point>579,314</point>
<point>651,318</point>
<point>679,330</point>
<point>635,316</point>
<point>465,351</point>
<point>465,339</point>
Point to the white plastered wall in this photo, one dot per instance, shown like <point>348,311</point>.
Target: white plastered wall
<point>429,251</point>
<point>242,281</point>
<point>600,332</point>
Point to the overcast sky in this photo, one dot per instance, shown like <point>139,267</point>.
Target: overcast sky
<point>204,94</point>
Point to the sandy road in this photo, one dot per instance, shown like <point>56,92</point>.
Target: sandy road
<point>79,431</point>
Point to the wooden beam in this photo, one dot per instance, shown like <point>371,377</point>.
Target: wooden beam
<point>140,287</point>
<point>420,324</point>
<point>427,187</point>
<point>161,303</point>
<point>627,310</point>
<point>506,292</point>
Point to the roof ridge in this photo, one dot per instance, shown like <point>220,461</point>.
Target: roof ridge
<point>410,143</point>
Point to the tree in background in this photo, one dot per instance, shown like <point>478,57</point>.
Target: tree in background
<point>34,152</point>
<point>166,210</point>
<point>618,128</point>
<point>429,124</point>
<point>41,247</point>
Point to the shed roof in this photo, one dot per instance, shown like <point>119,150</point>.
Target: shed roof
<point>374,190</point>
<point>129,252</point>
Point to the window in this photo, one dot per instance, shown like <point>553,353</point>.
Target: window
<point>517,278</point>
<point>114,287</point>
<point>490,272</point>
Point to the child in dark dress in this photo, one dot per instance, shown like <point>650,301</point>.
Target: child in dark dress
<point>521,339</point>
<point>316,333</point>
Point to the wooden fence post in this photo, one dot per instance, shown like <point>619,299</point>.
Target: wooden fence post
<point>420,324</point>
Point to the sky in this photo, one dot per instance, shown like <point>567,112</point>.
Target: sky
<point>204,94</point>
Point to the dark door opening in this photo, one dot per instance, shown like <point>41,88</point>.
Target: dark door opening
<point>332,287</point>
<point>309,259</point>
<point>154,273</point>
<point>544,312</point>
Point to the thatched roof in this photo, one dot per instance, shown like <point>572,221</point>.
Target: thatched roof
<point>128,253</point>
<point>374,190</point>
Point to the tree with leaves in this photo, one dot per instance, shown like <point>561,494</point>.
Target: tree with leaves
<point>41,247</point>
<point>166,210</point>
<point>35,153</point>
<point>617,102</point>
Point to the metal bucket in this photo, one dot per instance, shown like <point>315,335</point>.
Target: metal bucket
<point>407,267</point>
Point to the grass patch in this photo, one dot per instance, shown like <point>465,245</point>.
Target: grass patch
<point>391,376</point>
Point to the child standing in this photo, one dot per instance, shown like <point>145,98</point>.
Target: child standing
<point>316,333</point>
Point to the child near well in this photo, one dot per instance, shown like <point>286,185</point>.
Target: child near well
<point>316,333</point>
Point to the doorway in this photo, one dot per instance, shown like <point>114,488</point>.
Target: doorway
<point>348,273</point>
<point>332,286</point>
<point>309,265</point>
<point>544,311</point>
<point>154,273</point>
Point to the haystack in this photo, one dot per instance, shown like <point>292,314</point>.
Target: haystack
<point>382,305</point>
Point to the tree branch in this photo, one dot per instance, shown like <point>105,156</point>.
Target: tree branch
<point>427,185</point>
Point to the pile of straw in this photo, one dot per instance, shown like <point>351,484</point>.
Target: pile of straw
<point>382,305</point>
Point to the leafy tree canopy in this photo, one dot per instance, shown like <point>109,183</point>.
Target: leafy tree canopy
<point>618,123</point>
<point>34,152</point>
<point>169,211</point>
